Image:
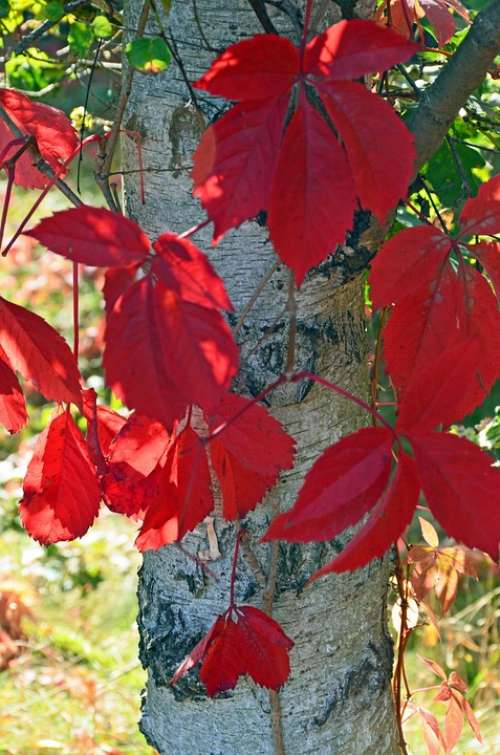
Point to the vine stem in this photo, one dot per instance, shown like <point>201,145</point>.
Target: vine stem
<point>239,534</point>
<point>306,375</point>
<point>403,635</point>
<point>194,229</point>
<point>307,21</point>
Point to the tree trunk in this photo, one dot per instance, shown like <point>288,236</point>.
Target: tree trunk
<point>338,698</point>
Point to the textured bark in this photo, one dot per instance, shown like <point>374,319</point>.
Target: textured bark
<point>338,697</point>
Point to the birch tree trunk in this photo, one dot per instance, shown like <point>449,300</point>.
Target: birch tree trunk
<point>338,697</point>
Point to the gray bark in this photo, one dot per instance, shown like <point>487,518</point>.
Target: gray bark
<point>338,697</point>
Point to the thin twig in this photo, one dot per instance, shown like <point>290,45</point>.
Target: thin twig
<point>122,103</point>
<point>41,165</point>
<point>253,298</point>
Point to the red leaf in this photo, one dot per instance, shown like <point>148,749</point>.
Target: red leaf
<point>248,455</point>
<point>141,443</point>
<point>371,132</point>
<point>109,424</point>
<point>235,162</point>
<point>489,256</point>
<point>461,488</point>
<point>252,643</point>
<point>54,135</point>
<point>440,19</point>
<point>38,352</point>
<point>94,236</point>
<point>421,326</point>
<point>342,485</point>
<point>199,347</point>
<point>184,269</point>
<point>407,264</point>
<point>183,495</point>
<point>142,382</point>
<point>481,214</point>
<point>444,390</point>
<point>388,520</point>
<point>132,456</point>
<point>313,201</point>
<point>102,426</point>
<point>61,494</point>
<point>116,281</point>
<point>350,49</point>
<point>26,174</point>
<point>13,412</point>
<point>262,67</point>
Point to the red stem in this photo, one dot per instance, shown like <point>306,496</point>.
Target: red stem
<point>76,335</point>
<point>6,200</point>
<point>194,229</point>
<point>306,375</point>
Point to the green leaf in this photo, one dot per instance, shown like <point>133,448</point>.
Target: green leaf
<point>102,27</point>
<point>80,37</point>
<point>4,8</point>
<point>446,176</point>
<point>54,10</point>
<point>148,54</point>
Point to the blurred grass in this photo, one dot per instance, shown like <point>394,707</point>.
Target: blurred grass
<point>74,685</point>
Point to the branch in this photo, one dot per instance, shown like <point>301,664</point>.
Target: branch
<point>464,72</point>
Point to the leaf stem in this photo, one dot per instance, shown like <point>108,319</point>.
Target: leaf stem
<point>76,303</point>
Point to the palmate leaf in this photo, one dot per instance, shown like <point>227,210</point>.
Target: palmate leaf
<point>353,478</point>
<point>305,179</point>
<point>442,342</point>
<point>243,641</point>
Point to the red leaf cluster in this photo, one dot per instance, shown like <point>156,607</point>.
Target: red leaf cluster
<point>243,641</point>
<point>442,342</point>
<point>251,159</point>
